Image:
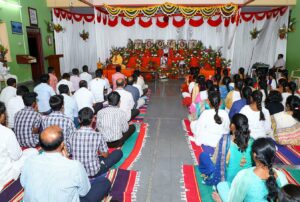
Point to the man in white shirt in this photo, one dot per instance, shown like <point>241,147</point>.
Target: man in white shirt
<point>9,91</point>
<point>84,97</point>
<point>280,63</point>
<point>85,74</point>
<point>97,86</point>
<point>140,81</point>
<point>65,80</point>
<point>75,79</point>
<point>70,106</point>
<point>12,157</point>
<point>15,104</point>
<point>44,92</point>
<point>127,101</point>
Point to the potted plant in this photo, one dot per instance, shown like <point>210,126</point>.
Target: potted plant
<point>84,35</point>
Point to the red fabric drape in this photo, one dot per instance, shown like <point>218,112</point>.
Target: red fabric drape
<point>112,22</point>
<point>179,23</point>
<point>89,18</point>
<point>104,19</point>
<point>99,18</point>
<point>215,23</point>
<point>128,23</point>
<point>196,23</point>
<point>145,24</point>
<point>162,24</point>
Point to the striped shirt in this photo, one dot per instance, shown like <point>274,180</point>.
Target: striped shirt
<point>57,118</point>
<point>25,121</point>
<point>85,144</point>
<point>112,123</point>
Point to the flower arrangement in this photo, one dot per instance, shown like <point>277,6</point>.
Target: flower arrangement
<point>84,35</point>
<point>58,28</point>
<point>292,25</point>
<point>3,52</point>
<point>282,32</point>
<point>255,33</point>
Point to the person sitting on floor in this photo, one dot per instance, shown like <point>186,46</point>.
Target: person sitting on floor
<point>232,154</point>
<point>52,78</point>
<point>141,81</point>
<point>135,93</point>
<point>70,106</point>
<point>51,176</point>
<point>85,75</point>
<point>28,122</point>
<point>112,122</point>
<point>116,76</point>
<point>212,124</point>
<point>225,88</point>
<point>59,119</point>
<point>84,97</point>
<point>44,92</point>
<point>242,73</point>
<point>15,104</point>
<point>289,193</point>
<point>127,101</point>
<point>97,86</point>
<point>259,117</point>
<point>141,92</point>
<point>239,104</point>
<point>86,143</point>
<point>235,94</point>
<point>9,91</point>
<point>66,81</point>
<point>75,79</point>
<point>263,87</point>
<point>259,183</point>
<point>273,102</point>
<point>12,157</point>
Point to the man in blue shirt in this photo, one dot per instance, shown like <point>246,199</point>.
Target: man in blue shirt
<point>51,176</point>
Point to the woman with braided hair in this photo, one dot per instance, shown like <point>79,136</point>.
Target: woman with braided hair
<point>235,94</point>
<point>260,183</point>
<point>212,124</point>
<point>239,104</point>
<point>258,116</point>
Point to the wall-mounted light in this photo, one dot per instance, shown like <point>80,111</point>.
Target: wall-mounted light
<point>10,4</point>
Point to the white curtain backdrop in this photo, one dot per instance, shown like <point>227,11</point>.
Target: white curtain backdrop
<point>234,41</point>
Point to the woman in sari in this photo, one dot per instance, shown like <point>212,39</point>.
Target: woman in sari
<point>225,88</point>
<point>235,94</point>
<point>232,154</point>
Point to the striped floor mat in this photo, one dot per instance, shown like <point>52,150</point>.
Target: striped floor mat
<point>196,191</point>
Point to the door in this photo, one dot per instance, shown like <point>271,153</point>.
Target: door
<point>36,50</point>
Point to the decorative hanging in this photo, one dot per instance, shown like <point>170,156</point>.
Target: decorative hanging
<point>58,28</point>
<point>84,35</point>
<point>255,33</point>
<point>292,25</point>
<point>282,32</point>
<point>170,9</point>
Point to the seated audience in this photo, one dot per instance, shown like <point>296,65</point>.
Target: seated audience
<point>263,87</point>
<point>75,79</point>
<point>97,86</point>
<point>258,116</point>
<point>259,183</point>
<point>273,102</point>
<point>141,92</point>
<point>52,78</point>
<point>225,88</point>
<point>15,104</point>
<point>85,75</point>
<point>51,176</point>
<point>84,97</point>
<point>141,81</point>
<point>70,106</point>
<point>290,90</point>
<point>86,143</point>
<point>116,76</point>
<point>44,92</point>
<point>212,124</point>
<point>250,83</point>
<point>112,122</point>
<point>9,91</point>
<point>272,81</point>
<point>66,81</point>
<point>135,93</point>
<point>127,101</point>
<point>239,104</point>
<point>57,118</point>
<point>199,95</point>
<point>233,153</point>
<point>28,122</point>
<point>12,157</point>
<point>287,122</point>
<point>235,94</point>
<point>289,193</point>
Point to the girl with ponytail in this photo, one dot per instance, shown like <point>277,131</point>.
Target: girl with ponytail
<point>239,104</point>
<point>233,153</point>
<point>234,95</point>
<point>225,88</point>
<point>290,90</point>
<point>212,123</point>
<point>259,183</point>
<point>263,87</point>
<point>258,116</point>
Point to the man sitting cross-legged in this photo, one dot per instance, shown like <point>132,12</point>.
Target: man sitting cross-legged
<point>57,118</point>
<point>112,123</point>
<point>28,122</point>
<point>86,143</point>
<point>51,176</point>
<point>134,92</point>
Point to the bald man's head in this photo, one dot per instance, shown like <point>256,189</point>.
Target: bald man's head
<point>51,138</point>
<point>120,82</point>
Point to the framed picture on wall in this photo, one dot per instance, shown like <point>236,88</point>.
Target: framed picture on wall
<point>16,27</point>
<point>33,19</point>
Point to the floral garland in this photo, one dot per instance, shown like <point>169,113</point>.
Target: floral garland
<point>169,9</point>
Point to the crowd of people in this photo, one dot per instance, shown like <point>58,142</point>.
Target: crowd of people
<point>240,118</point>
<point>71,123</point>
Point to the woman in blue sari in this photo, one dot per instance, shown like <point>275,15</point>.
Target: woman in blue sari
<point>225,88</point>
<point>232,154</point>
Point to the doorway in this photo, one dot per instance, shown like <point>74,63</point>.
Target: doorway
<point>35,50</point>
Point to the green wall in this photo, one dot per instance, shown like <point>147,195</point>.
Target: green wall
<point>293,45</point>
<point>18,43</point>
